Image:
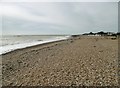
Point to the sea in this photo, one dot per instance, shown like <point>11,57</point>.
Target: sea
<point>10,43</point>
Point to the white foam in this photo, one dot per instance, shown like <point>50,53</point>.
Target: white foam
<point>9,48</point>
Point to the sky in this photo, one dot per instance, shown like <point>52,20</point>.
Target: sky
<point>37,18</point>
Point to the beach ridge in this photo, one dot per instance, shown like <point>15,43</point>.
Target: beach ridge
<point>79,61</point>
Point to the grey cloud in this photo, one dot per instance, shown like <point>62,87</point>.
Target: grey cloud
<point>71,18</point>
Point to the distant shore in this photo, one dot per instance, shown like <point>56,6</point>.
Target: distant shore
<point>78,61</point>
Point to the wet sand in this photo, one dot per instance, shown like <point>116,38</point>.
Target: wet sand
<point>80,61</point>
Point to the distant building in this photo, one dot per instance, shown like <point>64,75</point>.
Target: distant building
<point>101,33</point>
<point>110,33</point>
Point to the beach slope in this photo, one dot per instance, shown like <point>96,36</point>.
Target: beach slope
<point>79,61</point>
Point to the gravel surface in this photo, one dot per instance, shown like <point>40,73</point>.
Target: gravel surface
<point>80,61</point>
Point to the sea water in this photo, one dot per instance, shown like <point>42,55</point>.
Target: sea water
<point>12,42</point>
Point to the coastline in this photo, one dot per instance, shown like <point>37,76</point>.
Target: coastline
<point>79,61</point>
<point>10,48</point>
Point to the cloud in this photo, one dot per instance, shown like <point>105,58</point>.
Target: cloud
<point>59,17</point>
<point>50,13</point>
<point>15,11</point>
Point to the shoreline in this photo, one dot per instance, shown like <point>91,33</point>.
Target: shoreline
<point>62,63</point>
<point>27,45</point>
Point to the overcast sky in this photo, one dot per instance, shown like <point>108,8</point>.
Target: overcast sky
<point>59,17</point>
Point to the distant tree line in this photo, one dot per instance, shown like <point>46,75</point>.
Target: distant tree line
<point>101,33</point>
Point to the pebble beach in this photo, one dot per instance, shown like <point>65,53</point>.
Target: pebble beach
<point>78,61</point>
